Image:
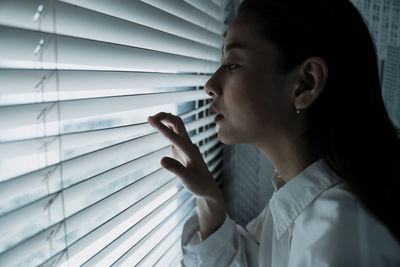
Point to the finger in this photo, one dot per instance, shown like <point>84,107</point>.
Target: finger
<point>175,121</point>
<point>174,166</point>
<point>184,145</point>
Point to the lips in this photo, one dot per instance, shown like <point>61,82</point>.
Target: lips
<point>218,117</point>
<point>214,110</point>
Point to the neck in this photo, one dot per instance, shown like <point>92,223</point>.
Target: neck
<point>289,158</point>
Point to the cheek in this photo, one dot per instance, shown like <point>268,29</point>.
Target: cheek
<point>253,95</point>
<point>267,104</point>
<point>262,98</point>
<point>247,109</point>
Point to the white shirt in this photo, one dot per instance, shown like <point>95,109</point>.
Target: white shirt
<point>313,220</point>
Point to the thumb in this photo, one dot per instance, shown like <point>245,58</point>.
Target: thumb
<point>174,166</point>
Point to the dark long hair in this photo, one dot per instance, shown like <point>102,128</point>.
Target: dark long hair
<point>348,124</point>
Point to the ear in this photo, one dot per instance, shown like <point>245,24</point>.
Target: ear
<point>313,75</point>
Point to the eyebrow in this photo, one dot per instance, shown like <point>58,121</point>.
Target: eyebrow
<point>232,46</point>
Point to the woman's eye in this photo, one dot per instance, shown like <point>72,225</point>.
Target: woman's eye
<point>231,66</point>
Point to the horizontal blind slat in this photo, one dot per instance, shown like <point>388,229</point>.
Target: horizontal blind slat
<point>116,173</point>
<point>30,49</point>
<point>76,21</point>
<point>221,3</point>
<point>78,224</point>
<point>190,13</point>
<point>76,53</point>
<point>163,245</point>
<point>133,198</point>
<point>80,115</point>
<point>47,180</point>
<point>85,248</point>
<point>28,254</point>
<point>106,183</point>
<point>142,13</point>
<point>34,86</point>
<point>143,146</point>
<point>177,262</point>
<point>215,164</point>
<point>87,24</point>
<point>26,49</point>
<point>94,216</point>
<point>41,215</point>
<point>134,233</point>
<point>28,14</point>
<point>167,258</point>
<point>135,254</point>
<point>75,144</point>
<point>120,122</point>
<point>213,155</point>
<point>39,184</point>
<point>133,237</point>
<point>211,8</point>
<point>211,143</point>
<point>218,3</point>
<point>102,186</point>
<point>75,201</point>
<point>89,107</point>
<point>36,250</point>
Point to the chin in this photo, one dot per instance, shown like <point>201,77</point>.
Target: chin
<point>227,140</point>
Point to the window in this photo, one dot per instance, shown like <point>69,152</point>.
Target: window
<point>80,175</point>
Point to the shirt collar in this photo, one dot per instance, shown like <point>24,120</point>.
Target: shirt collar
<point>291,198</point>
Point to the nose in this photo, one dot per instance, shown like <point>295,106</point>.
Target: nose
<point>212,87</point>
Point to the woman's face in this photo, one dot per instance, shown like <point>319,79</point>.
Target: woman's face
<point>254,99</point>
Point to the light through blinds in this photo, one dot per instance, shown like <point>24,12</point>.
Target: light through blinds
<point>80,177</point>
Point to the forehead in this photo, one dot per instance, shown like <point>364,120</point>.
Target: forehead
<point>237,34</point>
<point>242,37</point>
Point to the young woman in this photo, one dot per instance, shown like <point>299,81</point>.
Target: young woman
<point>299,80</point>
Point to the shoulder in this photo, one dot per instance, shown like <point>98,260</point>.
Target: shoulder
<point>334,205</point>
<point>336,228</point>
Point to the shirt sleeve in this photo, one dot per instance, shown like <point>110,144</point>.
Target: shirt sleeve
<point>230,245</point>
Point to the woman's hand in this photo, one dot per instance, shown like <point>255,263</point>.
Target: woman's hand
<point>188,164</point>
<point>190,167</point>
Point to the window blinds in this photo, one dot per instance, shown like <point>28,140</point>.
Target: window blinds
<point>80,175</point>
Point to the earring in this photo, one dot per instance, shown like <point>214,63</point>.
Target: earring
<point>299,91</point>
